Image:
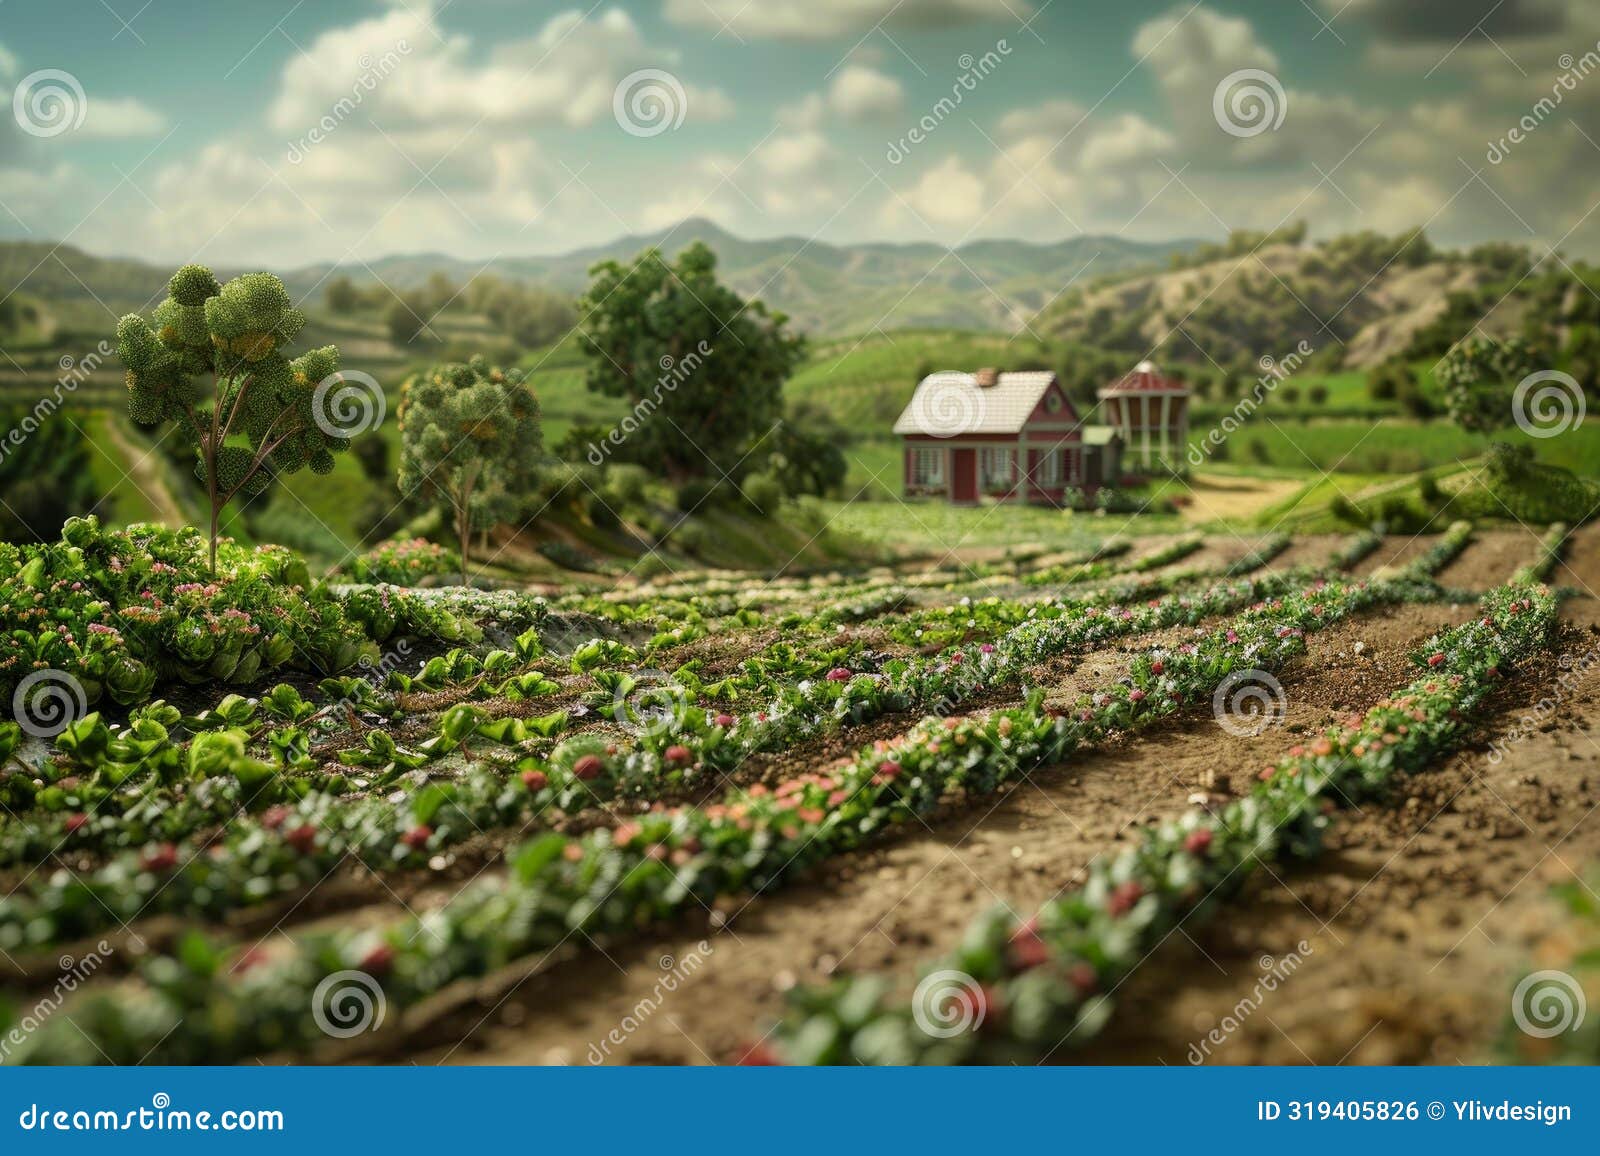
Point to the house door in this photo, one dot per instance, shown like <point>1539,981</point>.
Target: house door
<point>964,476</point>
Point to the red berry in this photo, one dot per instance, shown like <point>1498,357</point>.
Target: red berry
<point>759,1055</point>
<point>838,674</point>
<point>724,720</point>
<point>1157,667</point>
<point>1027,949</point>
<point>1435,659</point>
<point>1083,977</point>
<point>162,858</point>
<point>588,767</point>
<point>535,780</point>
<point>678,754</point>
<point>1198,841</point>
<point>1136,695</point>
<point>76,820</point>
<point>302,838</point>
<point>378,961</point>
<point>418,836</point>
<point>1123,897</point>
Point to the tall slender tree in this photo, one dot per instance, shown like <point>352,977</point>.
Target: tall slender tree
<point>213,362</point>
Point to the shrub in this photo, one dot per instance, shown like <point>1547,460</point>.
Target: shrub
<point>404,563</point>
<point>694,493</point>
<point>601,513</point>
<point>764,493</point>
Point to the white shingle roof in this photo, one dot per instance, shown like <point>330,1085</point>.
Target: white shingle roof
<point>950,404</point>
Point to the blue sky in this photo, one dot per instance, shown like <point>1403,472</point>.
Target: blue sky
<point>280,133</point>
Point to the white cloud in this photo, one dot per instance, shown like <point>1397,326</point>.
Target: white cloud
<point>826,19</point>
<point>401,69</point>
<point>120,117</point>
<point>861,93</point>
<point>947,194</point>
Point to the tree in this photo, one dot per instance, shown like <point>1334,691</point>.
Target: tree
<point>671,337</point>
<point>470,442</point>
<point>406,318</point>
<point>806,454</point>
<point>1479,376</point>
<point>262,415</point>
<point>342,296</point>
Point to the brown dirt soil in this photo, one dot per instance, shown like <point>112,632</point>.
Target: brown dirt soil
<point>900,904</point>
<point>1395,550</point>
<point>1490,558</point>
<point>1315,550</point>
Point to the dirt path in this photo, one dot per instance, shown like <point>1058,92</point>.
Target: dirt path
<point>144,473</point>
<point>1213,496</point>
<point>895,907</point>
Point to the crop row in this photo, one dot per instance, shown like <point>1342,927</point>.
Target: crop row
<point>206,1002</point>
<point>1015,991</point>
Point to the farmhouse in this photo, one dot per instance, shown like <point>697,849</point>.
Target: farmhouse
<point>1151,412</point>
<point>1011,436</point>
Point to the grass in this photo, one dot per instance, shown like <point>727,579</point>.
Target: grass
<point>934,527</point>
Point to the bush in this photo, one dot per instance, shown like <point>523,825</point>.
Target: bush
<point>694,493</point>
<point>1318,394</point>
<point>601,513</point>
<point>764,493</point>
<point>404,563</point>
<point>628,482</point>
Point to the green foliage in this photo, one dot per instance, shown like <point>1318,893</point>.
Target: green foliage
<point>470,442</point>
<point>263,415</point>
<point>669,336</point>
<point>46,478</point>
<point>1478,377</point>
<point>764,493</point>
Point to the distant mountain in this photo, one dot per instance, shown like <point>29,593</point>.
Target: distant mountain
<point>825,289</point>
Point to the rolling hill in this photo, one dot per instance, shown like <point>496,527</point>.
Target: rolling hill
<point>826,289</point>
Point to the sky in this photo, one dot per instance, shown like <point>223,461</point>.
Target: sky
<point>286,132</point>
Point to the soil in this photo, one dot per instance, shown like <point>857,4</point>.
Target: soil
<point>1403,939</point>
<point>901,904</point>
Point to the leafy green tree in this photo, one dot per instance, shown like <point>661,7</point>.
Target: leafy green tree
<point>470,442</point>
<point>1479,376</point>
<point>406,318</point>
<point>342,296</point>
<point>261,415</point>
<point>702,368</point>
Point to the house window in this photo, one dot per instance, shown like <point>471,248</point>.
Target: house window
<point>1049,469</point>
<point>927,466</point>
<point>998,467</point>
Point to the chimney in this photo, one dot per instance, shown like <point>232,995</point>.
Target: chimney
<point>986,377</point>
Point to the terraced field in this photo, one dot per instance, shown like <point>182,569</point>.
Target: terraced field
<point>1055,810</point>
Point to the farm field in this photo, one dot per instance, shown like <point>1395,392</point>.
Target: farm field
<point>444,825</point>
